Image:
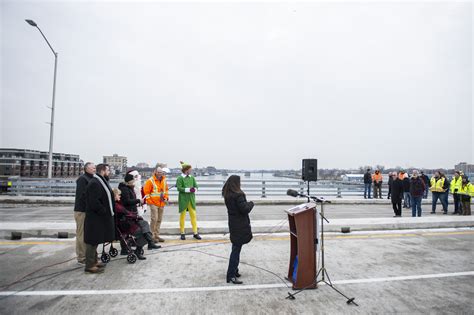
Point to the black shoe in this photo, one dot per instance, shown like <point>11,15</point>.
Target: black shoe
<point>153,246</point>
<point>432,212</point>
<point>139,255</point>
<point>237,274</point>
<point>197,236</point>
<point>234,281</point>
<point>183,237</point>
<point>445,212</point>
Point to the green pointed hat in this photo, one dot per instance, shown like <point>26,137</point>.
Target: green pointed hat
<point>184,166</point>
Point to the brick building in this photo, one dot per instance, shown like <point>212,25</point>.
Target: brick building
<point>33,163</point>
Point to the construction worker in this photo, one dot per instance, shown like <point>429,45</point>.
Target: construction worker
<point>156,194</point>
<point>438,187</point>
<point>377,180</point>
<point>453,189</point>
<point>466,192</point>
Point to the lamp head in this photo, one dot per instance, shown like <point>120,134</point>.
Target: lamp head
<point>31,22</point>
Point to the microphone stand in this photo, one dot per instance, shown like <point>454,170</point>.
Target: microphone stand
<point>322,271</point>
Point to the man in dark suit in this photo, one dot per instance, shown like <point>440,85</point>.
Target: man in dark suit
<point>99,224</point>
<point>80,210</point>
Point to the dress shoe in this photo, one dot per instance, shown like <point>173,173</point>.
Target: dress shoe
<point>94,269</point>
<point>153,246</point>
<point>183,237</point>
<point>161,240</point>
<point>234,281</point>
<point>432,212</point>
<point>140,256</point>
<point>237,274</point>
<point>100,265</point>
<point>197,236</point>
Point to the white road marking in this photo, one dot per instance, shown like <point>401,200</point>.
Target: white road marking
<point>223,288</point>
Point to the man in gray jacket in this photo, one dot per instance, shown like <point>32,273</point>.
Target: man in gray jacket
<point>80,208</point>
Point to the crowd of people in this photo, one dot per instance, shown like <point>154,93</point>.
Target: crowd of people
<point>411,189</point>
<point>102,214</point>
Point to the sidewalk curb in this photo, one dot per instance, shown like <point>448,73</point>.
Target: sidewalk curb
<point>69,201</point>
<point>51,229</point>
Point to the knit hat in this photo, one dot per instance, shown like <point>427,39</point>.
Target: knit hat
<point>184,166</point>
<point>128,177</point>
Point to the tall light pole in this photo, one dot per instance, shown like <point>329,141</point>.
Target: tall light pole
<point>51,130</point>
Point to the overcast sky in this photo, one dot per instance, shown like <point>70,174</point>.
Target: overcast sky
<point>242,85</point>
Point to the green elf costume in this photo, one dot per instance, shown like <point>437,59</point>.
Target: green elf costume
<point>187,187</point>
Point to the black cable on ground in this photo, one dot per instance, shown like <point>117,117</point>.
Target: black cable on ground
<point>192,248</point>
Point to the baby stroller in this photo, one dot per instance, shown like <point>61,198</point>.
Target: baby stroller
<point>124,233</point>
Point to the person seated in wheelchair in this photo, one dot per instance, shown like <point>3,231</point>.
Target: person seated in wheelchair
<point>132,230</point>
<point>130,201</point>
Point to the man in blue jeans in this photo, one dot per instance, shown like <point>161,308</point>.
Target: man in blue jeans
<point>367,184</point>
<point>439,186</point>
<point>417,188</point>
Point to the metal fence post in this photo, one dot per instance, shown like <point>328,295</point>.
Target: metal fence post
<point>263,190</point>
<point>339,192</point>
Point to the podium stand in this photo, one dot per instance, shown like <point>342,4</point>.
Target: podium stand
<point>302,220</point>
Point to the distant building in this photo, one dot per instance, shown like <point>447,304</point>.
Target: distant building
<point>465,168</point>
<point>118,164</point>
<point>32,163</point>
<point>142,165</point>
<point>353,177</point>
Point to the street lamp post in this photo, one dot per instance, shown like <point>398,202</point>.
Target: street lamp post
<point>51,130</point>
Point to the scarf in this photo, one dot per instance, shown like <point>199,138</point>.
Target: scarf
<point>107,191</point>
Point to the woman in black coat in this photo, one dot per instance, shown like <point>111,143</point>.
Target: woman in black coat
<point>238,210</point>
<point>397,195</point>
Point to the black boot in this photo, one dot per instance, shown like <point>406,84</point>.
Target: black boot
<point>152,245</point>
<point>197,236</point>
<point>138,252</point>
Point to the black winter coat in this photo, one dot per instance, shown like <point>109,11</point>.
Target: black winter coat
<point>81,185</point>
<point>99,224</point>
<point>367,178</point>
<point>238,210</point>
<point>129,198</point>
<point>417,187</point>
<point>406,184</point>
<point>397,190</point>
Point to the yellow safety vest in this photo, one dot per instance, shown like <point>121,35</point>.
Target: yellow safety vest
<point>455,184</point>
<point>437,185</point>
<point>467,190</point>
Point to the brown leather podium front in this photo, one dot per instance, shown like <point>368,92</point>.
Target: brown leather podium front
<point>302,220</point>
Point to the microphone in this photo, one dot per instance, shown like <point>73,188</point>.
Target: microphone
<point>294,193</point>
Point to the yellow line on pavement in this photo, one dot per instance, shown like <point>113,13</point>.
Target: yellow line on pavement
<point>267,238</point>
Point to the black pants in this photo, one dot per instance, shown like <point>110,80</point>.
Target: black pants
<point>234,261</point>
<point>91,255</point>
<point>457,203</point>
<point>397,207</point>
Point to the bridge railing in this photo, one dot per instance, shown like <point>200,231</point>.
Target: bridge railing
<point>261,188</point>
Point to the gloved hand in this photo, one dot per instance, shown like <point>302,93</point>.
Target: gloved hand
<point>192,190</point>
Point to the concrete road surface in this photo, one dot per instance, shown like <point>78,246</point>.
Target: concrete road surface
<point>391,272</point>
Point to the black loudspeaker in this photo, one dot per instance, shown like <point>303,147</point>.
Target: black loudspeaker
<point>309,171</point>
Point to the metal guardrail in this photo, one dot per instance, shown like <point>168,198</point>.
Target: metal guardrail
<point>207,187</point>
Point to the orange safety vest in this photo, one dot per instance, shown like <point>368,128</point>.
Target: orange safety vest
<point>154,191</point>
<point>377,178</point>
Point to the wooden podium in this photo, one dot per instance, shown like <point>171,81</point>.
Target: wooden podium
<point>302,220</point>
